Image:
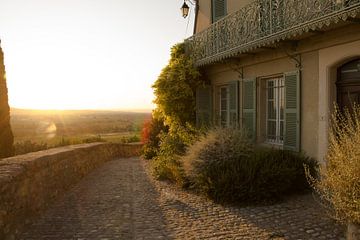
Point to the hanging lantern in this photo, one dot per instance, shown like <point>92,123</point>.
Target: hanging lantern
<point>185,10</point>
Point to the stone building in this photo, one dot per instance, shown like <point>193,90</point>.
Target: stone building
<point>277,67</point>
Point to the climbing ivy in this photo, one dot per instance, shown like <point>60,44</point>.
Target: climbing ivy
<point>175,88</point>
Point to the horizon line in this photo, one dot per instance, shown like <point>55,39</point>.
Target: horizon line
<point>87,109</point>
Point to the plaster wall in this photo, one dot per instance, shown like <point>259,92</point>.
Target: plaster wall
<point>329,60</point>
<point>234,5</point>
<point>204,15</point>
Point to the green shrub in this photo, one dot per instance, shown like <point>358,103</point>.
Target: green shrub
<point>227,167</point>
<point>167,165</point>
<point>340,177</point>
<point>175,87</point>
<point>130,139</point>
<point>279,172</point>
<point>171,130</point>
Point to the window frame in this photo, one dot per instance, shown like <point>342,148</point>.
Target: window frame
<point>279,85</point>
<point>226,87</point>
<point>213,19</point>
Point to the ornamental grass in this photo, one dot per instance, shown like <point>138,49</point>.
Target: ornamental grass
<point>339,186</point>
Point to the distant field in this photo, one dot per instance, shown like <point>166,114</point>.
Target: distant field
<point>54,127</point>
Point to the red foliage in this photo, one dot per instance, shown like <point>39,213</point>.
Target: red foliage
<point>145,132</point>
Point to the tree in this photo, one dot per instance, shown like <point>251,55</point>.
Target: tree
<point>6,135</point>
<point>175,88</point>
<point>151,134</point>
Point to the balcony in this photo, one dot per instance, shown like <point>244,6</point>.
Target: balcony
<point>265,22</point>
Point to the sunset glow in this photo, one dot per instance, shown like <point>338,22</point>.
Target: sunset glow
<point>66,54</point>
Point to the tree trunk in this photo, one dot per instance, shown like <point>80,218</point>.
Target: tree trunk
<point>6,135</point>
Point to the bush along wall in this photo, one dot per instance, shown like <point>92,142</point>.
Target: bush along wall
<point>226,166</point>
<point>167,164</point>
<point>172,130</point>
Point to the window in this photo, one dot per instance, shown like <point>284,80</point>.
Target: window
<point>204,106</point>
<point>275,103</point>
<point>218,9</point>
<point>228,104</point>
<point>224,107</point>
<point>348,85</point>
<point>271,109</point>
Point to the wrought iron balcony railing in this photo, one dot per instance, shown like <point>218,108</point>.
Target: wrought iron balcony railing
<point>263,22</point>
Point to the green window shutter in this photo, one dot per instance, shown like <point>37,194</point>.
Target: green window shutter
<point>292,111</point>
<point>216,112</point>
<point>249,106</point>
<point>234,103</point>
<point>218,9</point>
<point>203,106</point>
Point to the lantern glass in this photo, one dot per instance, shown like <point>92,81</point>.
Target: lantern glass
<point>185,10</point>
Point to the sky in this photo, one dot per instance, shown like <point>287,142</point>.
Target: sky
<point>88,54</point>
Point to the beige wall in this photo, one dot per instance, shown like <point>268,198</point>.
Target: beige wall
<point>204,15</point>
<point>234,5</point>
<point>329,60</point>
<point>309,103</point>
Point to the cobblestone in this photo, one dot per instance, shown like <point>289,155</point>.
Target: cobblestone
<point>121,201</point>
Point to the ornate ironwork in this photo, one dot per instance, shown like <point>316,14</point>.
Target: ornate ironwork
<point>263,22</point>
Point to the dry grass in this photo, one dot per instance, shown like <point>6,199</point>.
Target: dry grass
<point>340,178</point>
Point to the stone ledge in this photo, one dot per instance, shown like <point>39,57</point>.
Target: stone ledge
<point>30,183</point>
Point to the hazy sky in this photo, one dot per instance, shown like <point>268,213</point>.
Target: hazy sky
<point>87,54</point>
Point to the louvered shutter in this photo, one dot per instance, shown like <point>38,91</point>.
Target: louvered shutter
<point>249,106</point>
<point>216,90</point>
<point>218,9</point>
<point>292,111</point>
<point>234,103</point>
<point>203,106</point>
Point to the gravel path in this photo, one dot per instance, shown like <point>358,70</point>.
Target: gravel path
<point>121,201</point>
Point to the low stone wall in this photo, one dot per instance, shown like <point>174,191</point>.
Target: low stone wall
<point>30,183</point>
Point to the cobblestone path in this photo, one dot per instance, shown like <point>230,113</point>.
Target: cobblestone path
<point>121,201</point>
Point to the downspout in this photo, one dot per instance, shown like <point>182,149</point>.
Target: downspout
<point>196,15</point>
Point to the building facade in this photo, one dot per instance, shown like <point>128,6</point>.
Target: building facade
<point>277,67</point>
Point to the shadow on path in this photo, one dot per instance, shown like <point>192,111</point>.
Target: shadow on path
<point>116,201</point>
<point>121,201</point>
<point>191,216</point>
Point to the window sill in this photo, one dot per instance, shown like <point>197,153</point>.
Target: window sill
<point>271,145</point>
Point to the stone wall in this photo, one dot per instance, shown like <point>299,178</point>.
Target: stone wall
<point>30,183</point>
